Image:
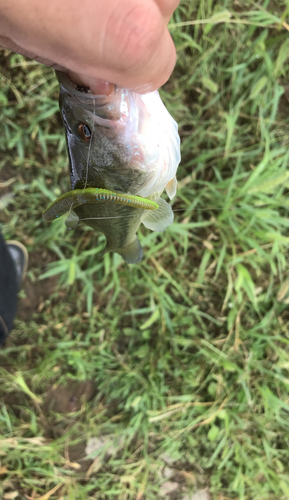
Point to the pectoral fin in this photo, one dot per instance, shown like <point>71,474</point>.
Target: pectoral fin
<point>72,220</point>
<point>160,219</point>
<point>131,253</point>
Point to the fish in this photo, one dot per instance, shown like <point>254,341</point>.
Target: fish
<point>125,144</point>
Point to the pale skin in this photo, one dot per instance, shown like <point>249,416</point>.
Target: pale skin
<point>125,42</point>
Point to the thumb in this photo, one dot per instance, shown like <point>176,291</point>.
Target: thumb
<point>126,43</point>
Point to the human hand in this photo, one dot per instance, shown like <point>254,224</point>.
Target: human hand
<point>125,42</point>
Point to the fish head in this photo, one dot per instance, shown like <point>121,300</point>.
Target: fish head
<point>123,142</point>
<point>103,149</point>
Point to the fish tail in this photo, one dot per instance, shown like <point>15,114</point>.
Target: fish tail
<point>131,253</point>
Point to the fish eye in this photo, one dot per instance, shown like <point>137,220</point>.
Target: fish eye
<point>84,132</point>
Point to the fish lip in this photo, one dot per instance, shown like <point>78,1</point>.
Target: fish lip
<point>102,105</point>
<point>65,81</point>
<point>68,84</point>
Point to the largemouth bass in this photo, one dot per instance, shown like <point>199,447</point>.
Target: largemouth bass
<point>121,143</point>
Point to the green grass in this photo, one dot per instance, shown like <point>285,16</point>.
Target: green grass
<point>189,350</point>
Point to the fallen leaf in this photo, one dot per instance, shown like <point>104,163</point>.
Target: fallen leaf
<point>10,495</point>
<point>50,492</point>
<point>7,484</point>
<point>5,199</point>
<point>94,444</point>
<point>9,442</point>
<point>142,489</point>
<point>199,495</point>
<point>167,488</point>
<point>189,476</point>
<point>185,181</point>
<point>7,183</point>
<point>95,466</point>
<point>208,245</point>
<point>167,472</point>
<point>36,440</point>
<point>139,495</point>
<point>3,470</point>
<point>127,479</point>
<point>166,457</point>
<point>73,465</point>
<point>283,291</point>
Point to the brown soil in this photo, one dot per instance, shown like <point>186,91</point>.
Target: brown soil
<point>66,399</point>
<point>59,399</point>
<point>38,291</point>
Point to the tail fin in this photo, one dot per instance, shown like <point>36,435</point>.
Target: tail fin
<point>131,253</point>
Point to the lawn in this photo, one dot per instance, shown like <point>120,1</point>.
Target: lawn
<point>168,377</point>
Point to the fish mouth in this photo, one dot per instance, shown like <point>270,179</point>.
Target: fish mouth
<point>65,80</point>
<point>75,88</point>
<point>105,106</point>
<point>67,202</point>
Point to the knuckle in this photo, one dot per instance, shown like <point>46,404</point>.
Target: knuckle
<point>140,31</point>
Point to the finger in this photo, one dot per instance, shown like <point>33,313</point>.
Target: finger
<point>126,43</point>
<point>167,8</point>
<point>138,49</point>
<point>97,86</point>
<point>7,43</point>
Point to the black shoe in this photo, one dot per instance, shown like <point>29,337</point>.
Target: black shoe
<point>19,256</point>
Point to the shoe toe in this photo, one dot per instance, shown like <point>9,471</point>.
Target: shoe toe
<point>19,256</point>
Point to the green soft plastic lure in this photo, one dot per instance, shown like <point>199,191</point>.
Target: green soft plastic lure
<point>73,199</point>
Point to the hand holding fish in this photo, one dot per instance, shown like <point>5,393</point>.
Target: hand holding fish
<point>123,144</point>
<point>125,42</point>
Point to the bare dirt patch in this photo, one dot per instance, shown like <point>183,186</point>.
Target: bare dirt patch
<point>36,292</point>
<point>68,398</point>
